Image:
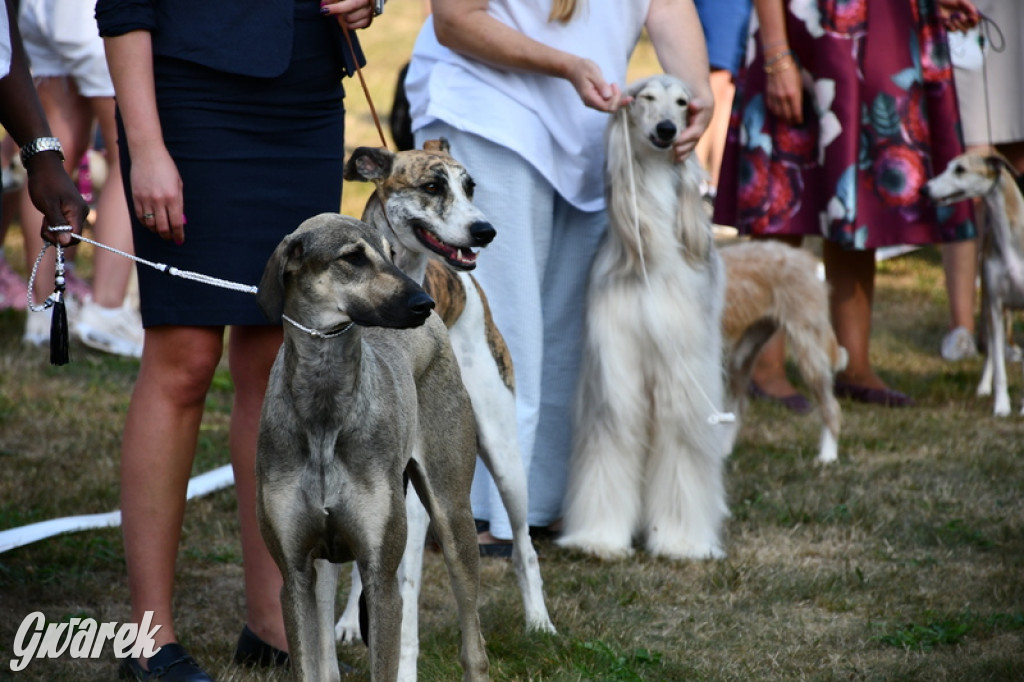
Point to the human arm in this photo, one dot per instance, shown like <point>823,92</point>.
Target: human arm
<point>50,188</point>
<point>465,27</point>
<point>678,40</point>
<point>783,85</point>
<point>156,185</point>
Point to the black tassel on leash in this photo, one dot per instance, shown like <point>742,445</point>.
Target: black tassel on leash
<point>59,354</point>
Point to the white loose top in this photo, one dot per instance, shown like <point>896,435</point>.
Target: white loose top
<point>541,118</point>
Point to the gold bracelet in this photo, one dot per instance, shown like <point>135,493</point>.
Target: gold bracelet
<point>785,64</point>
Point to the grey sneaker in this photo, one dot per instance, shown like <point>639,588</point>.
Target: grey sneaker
<point>111,330</point>
<point>958,345</point>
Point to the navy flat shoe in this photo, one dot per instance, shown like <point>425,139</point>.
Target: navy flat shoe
<point>171,664</point>
<point>886,397</point>
<point>794,403</point>
<point>254,652</point>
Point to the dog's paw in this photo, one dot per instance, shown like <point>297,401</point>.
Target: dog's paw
<point>1002,407</point>
<point>602,549</point>
<point>686,551</point>
<point>346,630</point>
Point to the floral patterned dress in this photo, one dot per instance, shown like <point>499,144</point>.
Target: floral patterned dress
<point>880,119</point>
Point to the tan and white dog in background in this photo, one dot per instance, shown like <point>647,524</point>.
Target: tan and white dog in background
<point>423,206</point>
<point>1002,253</point>
<point>648,458</point>
<point>772,286</point>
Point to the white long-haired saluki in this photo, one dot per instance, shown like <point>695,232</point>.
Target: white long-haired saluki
<point>648,451</point>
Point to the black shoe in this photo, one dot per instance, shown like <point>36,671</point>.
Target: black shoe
<point>171,664</point>
<point>255,653</point>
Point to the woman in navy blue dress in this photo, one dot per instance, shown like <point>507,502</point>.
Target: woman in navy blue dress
<point>231,134</point>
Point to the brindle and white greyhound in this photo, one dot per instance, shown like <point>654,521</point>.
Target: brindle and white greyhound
<point>423,206</point>
<point>365,395</point>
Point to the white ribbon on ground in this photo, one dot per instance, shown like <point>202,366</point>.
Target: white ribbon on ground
<point>202,484</point>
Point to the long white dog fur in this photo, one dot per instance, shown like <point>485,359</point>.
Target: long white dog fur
<point>648,459</point>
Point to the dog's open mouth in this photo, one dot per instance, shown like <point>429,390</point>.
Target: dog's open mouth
<point>461,258</point>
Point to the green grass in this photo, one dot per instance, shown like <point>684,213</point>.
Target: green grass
<point>902,561</point>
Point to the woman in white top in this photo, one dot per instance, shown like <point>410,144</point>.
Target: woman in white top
<point>522,89</point>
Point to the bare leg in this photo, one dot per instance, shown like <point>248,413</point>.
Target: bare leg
<point>71,122</point>
<point>111,272</point>
<point>156,459</point>
<point>960,263</point>
<point>851,275</point>
<point>769,371</point>
<point>712,143</point>
<point>251,353</point>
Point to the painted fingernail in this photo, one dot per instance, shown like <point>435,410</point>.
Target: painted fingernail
<point>184,220</point>
<point>325,10</point>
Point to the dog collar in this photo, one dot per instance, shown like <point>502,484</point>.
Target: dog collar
<point>316,332</point>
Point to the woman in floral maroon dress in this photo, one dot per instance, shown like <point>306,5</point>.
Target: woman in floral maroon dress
<point>843,112</point>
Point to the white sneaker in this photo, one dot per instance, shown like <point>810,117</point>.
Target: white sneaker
<point>958,345</point>
<point>37,327</point>
<point>111,330</point>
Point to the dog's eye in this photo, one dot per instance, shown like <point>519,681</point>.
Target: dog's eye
<point>649,98</point>
<point>354,257</point>
<point>959,170</point>
<point>432,188</point>
<point>469,186</point>
<point>682,102</point>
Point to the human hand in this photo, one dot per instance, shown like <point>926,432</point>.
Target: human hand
<point>55,195</point>
<point>591,86</point>
<point>350,13</point>
<point>698,117</point>
<point>959,15</point>
<point>783,91</point>
<point>157,196</point>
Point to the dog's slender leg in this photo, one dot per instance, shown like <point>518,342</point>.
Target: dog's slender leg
<point>602,503</point>
<point>410,574</point>
<point>346,630</point>
<point>997,356</point>
<point>454,526</point>
<point>684,507</point>
<point>299,601</point>
<point>811,345</point>
<point>326,592</point>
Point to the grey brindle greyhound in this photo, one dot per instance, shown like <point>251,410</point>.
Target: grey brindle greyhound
<point>364,395</point>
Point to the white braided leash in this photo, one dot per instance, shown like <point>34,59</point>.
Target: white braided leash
<point>162,267</point>
<point>716,416</point>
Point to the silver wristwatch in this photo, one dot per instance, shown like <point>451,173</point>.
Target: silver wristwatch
<point>40,144</point>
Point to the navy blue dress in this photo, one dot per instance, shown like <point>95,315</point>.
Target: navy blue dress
<point>257,155</point>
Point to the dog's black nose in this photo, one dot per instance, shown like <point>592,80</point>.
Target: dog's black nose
<point>665,130</point>
<point>482,233</point>
<point>421,304</point>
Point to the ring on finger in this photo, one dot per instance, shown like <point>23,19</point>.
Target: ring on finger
<point>148,216</point>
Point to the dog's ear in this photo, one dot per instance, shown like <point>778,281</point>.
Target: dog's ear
<point>369,163</point>
<point>270,293</point>
<point>997,162</point>
<point>439,145</point>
